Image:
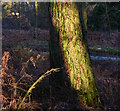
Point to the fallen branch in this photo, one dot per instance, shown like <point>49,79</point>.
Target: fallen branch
<point>37,81</point>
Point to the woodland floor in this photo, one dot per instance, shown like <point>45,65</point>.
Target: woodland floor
<point>25,59</point>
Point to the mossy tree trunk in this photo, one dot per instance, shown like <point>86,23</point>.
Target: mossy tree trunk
<point>68,49</point>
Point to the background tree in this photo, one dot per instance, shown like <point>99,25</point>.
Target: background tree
<point>68,49</point>
<point>105,14</point>
<point>29,14</point>
<point>6,8</point>
<point>83,19</point>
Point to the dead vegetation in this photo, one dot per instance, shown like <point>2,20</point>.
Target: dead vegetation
<point>20,68</point>
<point>25,59</point>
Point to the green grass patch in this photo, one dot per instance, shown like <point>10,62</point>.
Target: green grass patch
<point>109,49</point>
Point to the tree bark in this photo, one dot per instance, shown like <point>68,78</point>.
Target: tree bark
<point>68,49</point>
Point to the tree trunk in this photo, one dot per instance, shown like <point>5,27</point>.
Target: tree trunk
<point>83,19</point>
<point>68,49</point>
<point>36,15</point>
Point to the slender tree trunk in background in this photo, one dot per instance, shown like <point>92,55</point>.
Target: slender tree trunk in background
<point>83,19</point>
<point>36,14</point>
<point>20,16</point>
<point>68,49</point>
<point>108,19</point>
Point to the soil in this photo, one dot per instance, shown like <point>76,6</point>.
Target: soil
<point>27,58</point>
<point>103,39</point>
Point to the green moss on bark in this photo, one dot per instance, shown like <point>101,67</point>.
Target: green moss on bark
<point>65,19</point>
